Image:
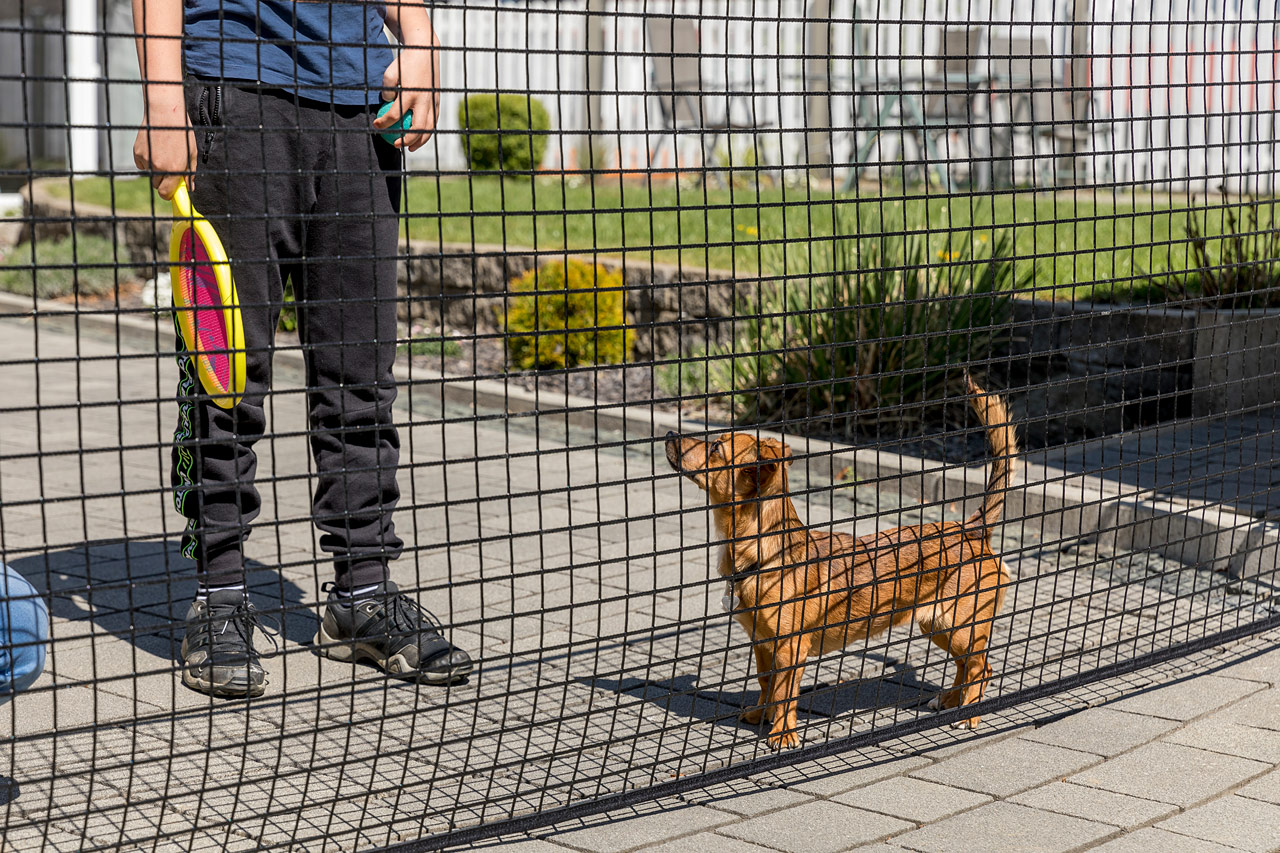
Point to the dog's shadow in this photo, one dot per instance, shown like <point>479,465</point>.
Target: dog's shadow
<point>139,592</point>
<point>694,699</point>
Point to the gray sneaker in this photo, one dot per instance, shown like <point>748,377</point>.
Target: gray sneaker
<point>217,652</point>
<point>394,632</point>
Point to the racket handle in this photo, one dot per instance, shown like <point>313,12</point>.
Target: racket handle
<point>181,201</point>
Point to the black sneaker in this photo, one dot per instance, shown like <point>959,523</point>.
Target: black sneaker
<point>217,652</point>
<point>394,632</point>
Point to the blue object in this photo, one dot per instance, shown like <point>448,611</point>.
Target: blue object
<point>400,128</point>
<point>24,633</point>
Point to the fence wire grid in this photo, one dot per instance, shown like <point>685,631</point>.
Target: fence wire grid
<point>605,362</point>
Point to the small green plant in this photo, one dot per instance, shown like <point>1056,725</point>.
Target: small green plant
<point>504,132</point>
<point>743,166</point>
<point>446,347</point>
<point>567,315</point>
<point>1240,268</point>
<point>870,332</point>
<point>86,265</point>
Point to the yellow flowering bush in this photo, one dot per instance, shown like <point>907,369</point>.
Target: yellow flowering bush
<point>566,315</point>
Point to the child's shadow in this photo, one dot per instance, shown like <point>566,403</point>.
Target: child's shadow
<point>139,592</point>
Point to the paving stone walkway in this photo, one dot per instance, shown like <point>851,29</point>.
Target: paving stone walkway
<point>1177,758</point>
<point>1228,459</point>
<point>577,568</point>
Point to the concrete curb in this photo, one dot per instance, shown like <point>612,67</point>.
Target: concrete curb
<point>1064,505</point>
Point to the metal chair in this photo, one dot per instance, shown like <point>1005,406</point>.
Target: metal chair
<point>685,102</point>
<point>1053,125</point>
<point>935,109</point>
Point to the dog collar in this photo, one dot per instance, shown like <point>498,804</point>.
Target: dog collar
<point>730,601</point>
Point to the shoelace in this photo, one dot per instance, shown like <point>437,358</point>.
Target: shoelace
<point>245,619</point>
<point>404,615</point>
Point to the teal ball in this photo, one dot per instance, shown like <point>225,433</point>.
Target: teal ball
<point>400,128</point>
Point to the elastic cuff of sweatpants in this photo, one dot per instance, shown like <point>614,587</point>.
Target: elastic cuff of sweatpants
<point>221,568</point>
<point>354,572</point>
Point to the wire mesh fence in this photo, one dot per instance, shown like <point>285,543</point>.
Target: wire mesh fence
<point>687,388</point>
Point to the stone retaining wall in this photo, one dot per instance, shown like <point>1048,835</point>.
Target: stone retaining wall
<point>458,286</point>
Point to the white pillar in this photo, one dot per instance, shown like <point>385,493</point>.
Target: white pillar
<point>592,144</point>
<point>84,72</point>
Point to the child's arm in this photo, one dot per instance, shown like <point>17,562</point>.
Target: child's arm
<point>166,144</point>
<point>411,77</point>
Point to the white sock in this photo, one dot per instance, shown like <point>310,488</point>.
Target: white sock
<point>358,593</point>
<point>202,594</point>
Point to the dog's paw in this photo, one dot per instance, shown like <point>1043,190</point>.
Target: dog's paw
<point>971,723</point>
<point>945,699</point>
<point>783,740</point>
<point>753,716</point>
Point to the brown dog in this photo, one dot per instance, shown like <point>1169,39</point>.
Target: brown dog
<point>801,592</point>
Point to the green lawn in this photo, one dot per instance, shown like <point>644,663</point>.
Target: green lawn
<point>1072,243</point>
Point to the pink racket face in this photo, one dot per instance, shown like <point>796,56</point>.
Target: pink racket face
<point>200,286</point>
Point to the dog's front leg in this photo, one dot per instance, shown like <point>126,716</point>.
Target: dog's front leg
<point>764,670</point>
<point>784,693</point>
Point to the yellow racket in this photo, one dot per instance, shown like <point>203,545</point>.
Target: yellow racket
<point>204,297</point>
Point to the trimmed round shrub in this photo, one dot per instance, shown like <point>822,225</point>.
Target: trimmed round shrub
<point>506,132</point>
<point>571,314</point>
<point>86,265</point>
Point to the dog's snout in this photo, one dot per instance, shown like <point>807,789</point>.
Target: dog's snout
<point>673,454</point>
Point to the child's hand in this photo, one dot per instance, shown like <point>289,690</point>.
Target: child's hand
<point>410,82</point>
<point>166,145</point>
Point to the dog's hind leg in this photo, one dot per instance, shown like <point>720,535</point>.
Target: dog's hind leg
<point>947,698</point>
<point>764,671</point>
<point>967,648</point>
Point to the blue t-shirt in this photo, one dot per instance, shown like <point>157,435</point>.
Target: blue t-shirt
<point>327,51</point>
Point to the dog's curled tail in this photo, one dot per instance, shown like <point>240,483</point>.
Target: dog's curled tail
<point>1002,442</point>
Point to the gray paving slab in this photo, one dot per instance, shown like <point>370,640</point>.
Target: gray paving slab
<point>1006,767</point>
<point>659,822</point>
<point>44,838</point>
<point>942,743</point>
<point>1094,804</point>
<point>1101,731</point>
<point>835,775</point>
<point>1150,840</point>
<point>1257,710</point>
<point>1230,738</point>
<point>1263,666</point>
<point>746,798</point>
<point>1187,699</point>
<point>1266,787</point>
<point>912,799</point>
<point>1005,826</point>
<point>1245,824</point>
<point>708,842</point>
<point>817,827</point>
<point>1170,773</point>
<point>508,844</point>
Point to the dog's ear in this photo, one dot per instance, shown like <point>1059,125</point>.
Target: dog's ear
<point>774,458</point>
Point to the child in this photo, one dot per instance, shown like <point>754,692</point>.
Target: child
<point>269,106</point>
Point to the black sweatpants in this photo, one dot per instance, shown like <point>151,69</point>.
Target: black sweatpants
<point>304,192</point>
